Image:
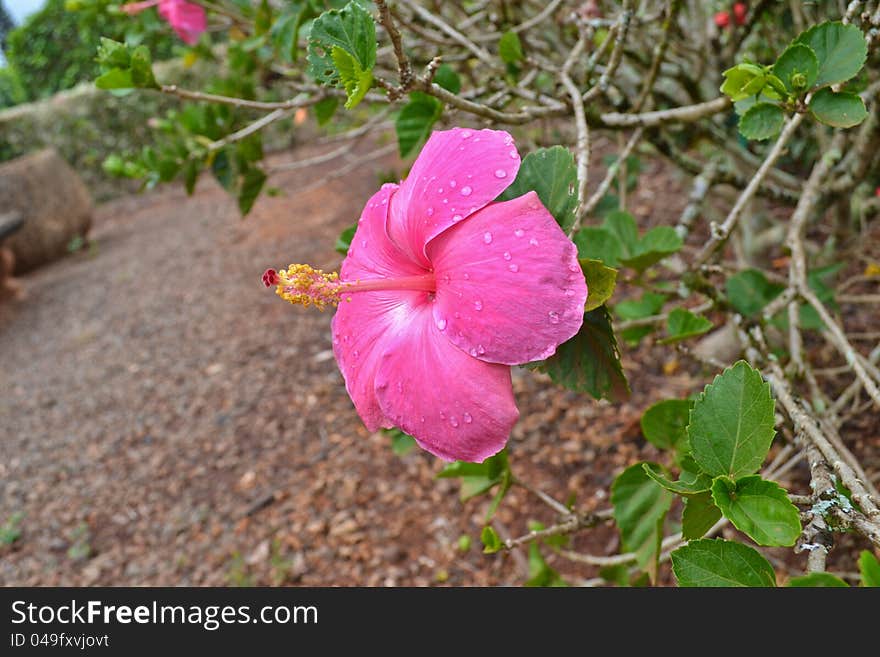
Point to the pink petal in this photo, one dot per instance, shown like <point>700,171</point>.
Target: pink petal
<point>509,286</point>
<point>188,20</point>
<point>360,326</point>
<point>455,406</point>
<point>458,172</point>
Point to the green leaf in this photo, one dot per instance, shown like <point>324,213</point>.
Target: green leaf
<point>491,541</point>
<point>664,424</point>
<point>681,487</point>
<point>699,515</point>
<point>649,304</point>
<point>590,361</point>
<point>640,507</point>
<point>551,173</point>
<point>600,283</point>
<point>825,580</point>
<point>116,78</point>
<point>797,67</point>
<point>749,291</point>
<point>761,121</point>
<point>731,423</point>
<point>840,49</point>
<point>869,567</point>
<point>718,562</point>
<point>683,324</point>
<point>325,109</point>
<point>113,54</point>
<point>655,245</point>
<point>413,124</point>
<point>510,48</point>
<point>477,478</point>
<point>839,110</point>
<point>343,242</point>
<point>355,80</point>
<point>541,574</point>
<point>595,243</point>
<point>761,509</point>
<point>742,81</point>
<point>623,226</point>
<point>447,78</point>
<point>350,30</point>
<point>142,69</point>
<point>251,183</point>
<point>401,443</point>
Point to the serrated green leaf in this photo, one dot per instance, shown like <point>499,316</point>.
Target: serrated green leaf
<point>640,507</point>
<point>355,80</point>
<point>343,242</point>
<point>731,423</point>
<point>590,361</point>
<point>839,110</point>
<point>551,173</point>
<point>720,563</point>
<point>797,67</point>
<point>510,48</point>
<point>680,487</point>
<point>596,243</point>
<point>664,424</point>
<point>655,245</point>
<point>600,283</point>
<point>325,109</point>
<point>116,78</point>
<point>869,568</point>
<point>699,515</point>
<point>490,540</point>
<point>742,81</point>
<point>840,49</point>
<point>761,121</point>
<point>351,30</point>
<point>447,78</point>
<point>825,580</point>
<point>758,508</point>
<point>414,123</point>
<point>683,324</point>
<point>623,226</point>
<point>749,291</point>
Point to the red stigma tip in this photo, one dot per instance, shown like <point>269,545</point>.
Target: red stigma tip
<point>739,13</point>
<point>270,278</point>
<point>722,19</point>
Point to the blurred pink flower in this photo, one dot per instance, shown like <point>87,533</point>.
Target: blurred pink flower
<point>187,19</point>
<point>442,291</point>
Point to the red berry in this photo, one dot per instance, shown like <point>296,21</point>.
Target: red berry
<point>739,13</point>
<point>877,191</point>
<point>722,19</point>
<point>270,278</point>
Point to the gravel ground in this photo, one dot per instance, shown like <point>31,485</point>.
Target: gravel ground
<point>165,420</point>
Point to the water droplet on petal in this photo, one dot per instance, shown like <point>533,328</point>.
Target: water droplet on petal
<point>573,267</point>
<point>430,211</point>
<point>473,352</point>
<point>467,276</point>
<point>355,353</point>
<point>452,184</point>
<point>478,305</point>
<point>467,418</point>
<point>446,200</point>
<point>456,315</point>
<point>440,190</point>
<point>465,134</point>
<point>519,232</point>
<point>456,217</point>
<point>399,387</point>
<point>422,419</point>
<point>441,324</point>
<point>481,349</point>
<point>554,317</point>
<point>500,173</point>
<point>569,292</point>
<point>513,154</point>
<point>453,421</point>
<point>507,255</point>
<point>364,243</point>
<point>508,140</point>
<point>513,268</point>
<point>533,242</point>
<point>487,237</point>
<point>466,190</point>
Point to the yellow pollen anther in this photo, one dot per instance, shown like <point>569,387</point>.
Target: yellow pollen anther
<point>306,286</point>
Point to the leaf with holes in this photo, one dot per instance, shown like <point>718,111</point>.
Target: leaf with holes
<point>343,37</point>
<point>640,507</point>
<point>731,423</point>
<point>551,173</point>
<point>720,563</point>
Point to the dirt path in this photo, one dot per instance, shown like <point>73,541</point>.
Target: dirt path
<point>164,420</point>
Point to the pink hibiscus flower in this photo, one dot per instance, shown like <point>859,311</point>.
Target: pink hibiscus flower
<point>187,19</point>
<point>442,291</point>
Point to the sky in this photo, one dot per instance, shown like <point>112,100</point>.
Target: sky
<point>21,9</point>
